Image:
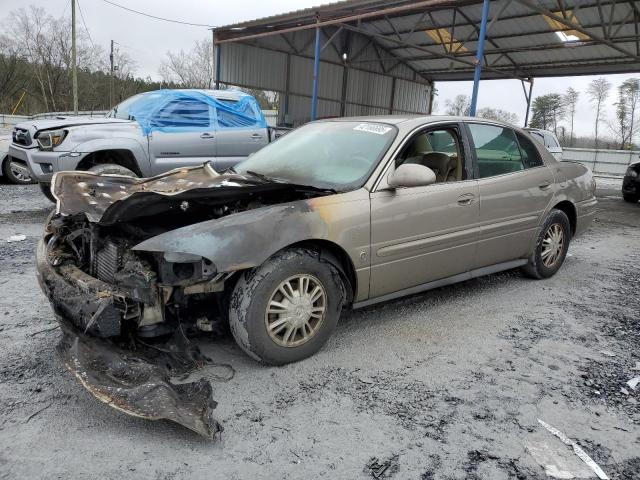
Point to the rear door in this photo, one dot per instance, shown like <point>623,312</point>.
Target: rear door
<point>515,188</point>
<point>185,135</point>
<point>239,134</point>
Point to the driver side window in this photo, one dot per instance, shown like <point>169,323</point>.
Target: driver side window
<point>439,149</point>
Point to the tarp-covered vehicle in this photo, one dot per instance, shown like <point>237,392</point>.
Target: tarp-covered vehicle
<point>337,213</point>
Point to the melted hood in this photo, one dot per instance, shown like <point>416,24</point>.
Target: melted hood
<point>108,199</point>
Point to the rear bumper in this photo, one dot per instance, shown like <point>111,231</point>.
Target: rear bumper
<point>42,165</point>
<point>586,212</point>
<point>631,185</point>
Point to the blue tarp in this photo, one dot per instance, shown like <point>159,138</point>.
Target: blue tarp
<point>193,110</point>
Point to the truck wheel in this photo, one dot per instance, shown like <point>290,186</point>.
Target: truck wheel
<point>16,171</point>
<point>631,197</point>
<point>46,189</point>
<point>551,246</point>
<point>111,169</point>
<point>286,309</point>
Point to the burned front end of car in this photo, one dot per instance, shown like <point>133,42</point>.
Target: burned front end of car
<point>132,267</point>
<point>92,277</point>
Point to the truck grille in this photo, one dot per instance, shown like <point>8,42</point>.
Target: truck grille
<point>21,136</point>
<point>106,262</point>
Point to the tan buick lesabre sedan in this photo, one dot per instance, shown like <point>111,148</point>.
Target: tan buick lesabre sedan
<point>336,214</point>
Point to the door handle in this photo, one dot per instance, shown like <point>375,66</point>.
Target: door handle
<point>544,186</point>
<point>206,135</point>
<point>466,199</point>
<point>256,136</point>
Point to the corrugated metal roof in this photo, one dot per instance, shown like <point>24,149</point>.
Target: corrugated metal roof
<point>522,42</point>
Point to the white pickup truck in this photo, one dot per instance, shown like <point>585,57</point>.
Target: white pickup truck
<point>147,134</point>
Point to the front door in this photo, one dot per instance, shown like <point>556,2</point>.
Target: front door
<point>184,135</point>
<point>422,234</point>
<point>515,190</point>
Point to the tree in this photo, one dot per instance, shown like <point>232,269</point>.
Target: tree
<point>598,92</point>
<point>570,99</point>
<point>630,94</point>
<point>191,69</point>
<point>546,111</point>
<point>459,106</point>
<point>498,114</point>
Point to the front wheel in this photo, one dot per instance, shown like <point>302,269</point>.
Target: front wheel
<point>286,309</point>
<point>46,189</point>
<point>551,246</point>
<point>16,171</point>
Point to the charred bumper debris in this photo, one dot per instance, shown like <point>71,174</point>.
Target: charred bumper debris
<point>132,267</point>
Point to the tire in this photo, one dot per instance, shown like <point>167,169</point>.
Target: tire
<point>14,175</point>
<point>258,287</point>
<point>111,169</point>
<point>556,226</point>
<point>631,197</point>
<point>46,189</point>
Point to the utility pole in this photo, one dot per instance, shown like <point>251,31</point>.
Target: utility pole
<point>73,57</point>
<point>111,77</point>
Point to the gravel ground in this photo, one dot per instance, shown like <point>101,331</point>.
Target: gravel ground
<point>445,385</point>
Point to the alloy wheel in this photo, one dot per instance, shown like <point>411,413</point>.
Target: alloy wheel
<point>552,245</point>
<point>296,310</point>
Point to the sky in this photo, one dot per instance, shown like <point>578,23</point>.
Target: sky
<point>146,40</point>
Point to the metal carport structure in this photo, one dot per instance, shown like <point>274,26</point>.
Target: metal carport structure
<point>371,57</point>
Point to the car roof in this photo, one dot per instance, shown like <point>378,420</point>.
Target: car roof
<point>233,95</point>
<point>410,121</point>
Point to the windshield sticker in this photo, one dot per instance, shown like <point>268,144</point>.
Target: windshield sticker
<point>372,128</point>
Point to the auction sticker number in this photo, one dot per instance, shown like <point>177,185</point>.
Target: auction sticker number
<point>372,128</point>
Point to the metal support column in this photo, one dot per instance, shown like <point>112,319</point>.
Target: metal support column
<point>316,72</point>
<point>526,117</point>
<point>217,48</point>
<point>287,87</point>
<point>479,56</point>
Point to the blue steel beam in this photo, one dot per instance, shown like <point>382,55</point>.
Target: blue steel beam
<point>316,72</point>
<point>479,57</point>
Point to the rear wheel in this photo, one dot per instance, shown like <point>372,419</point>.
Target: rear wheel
<point>16,171</point>
<point>286,309</point>
<point>551,246</point>
<point>631,197</point>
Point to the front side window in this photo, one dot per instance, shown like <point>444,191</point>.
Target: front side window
<point>496,149</point>
<point>335,154</point>
<point>439,149</point>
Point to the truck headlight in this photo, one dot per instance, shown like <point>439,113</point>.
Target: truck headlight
<point>49,139</point>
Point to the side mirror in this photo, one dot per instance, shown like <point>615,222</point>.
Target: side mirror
<point>411,175</point>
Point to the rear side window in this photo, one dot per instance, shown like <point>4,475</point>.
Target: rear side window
<point>236,117</point>
<point>550,141</point>
<point>530,156</point>
<point>496,149</point>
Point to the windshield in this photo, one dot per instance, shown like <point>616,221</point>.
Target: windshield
<point>122,109</point>
<point>336,155</point>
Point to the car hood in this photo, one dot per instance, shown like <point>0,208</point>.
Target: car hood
<point>110,199</point>
<point>61,122</point>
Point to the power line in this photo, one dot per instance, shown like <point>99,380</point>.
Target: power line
<point>157,18</point>
<point>85,24</point>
